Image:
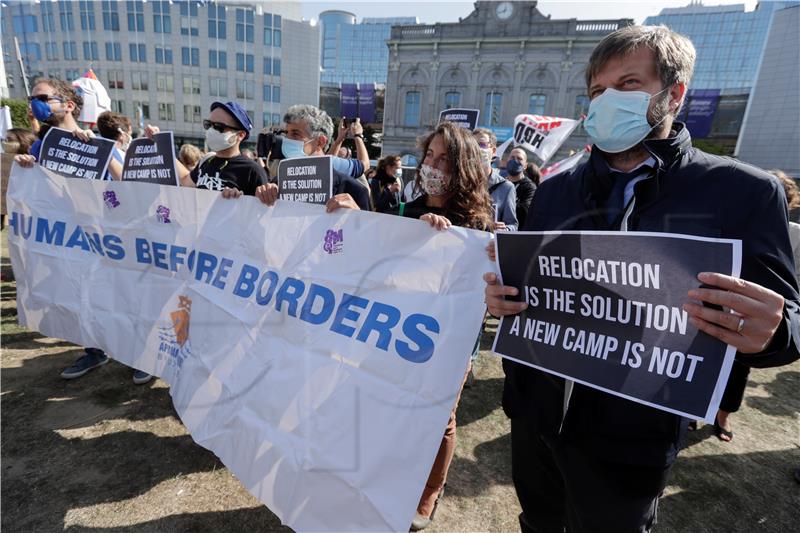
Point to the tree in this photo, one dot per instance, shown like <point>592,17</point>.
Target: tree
<point>19,112</point>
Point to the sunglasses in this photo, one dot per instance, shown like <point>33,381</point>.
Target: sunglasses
<point>44,98</point>
<point>219,126</point>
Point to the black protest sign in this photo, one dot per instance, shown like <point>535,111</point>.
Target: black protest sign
<point>65,154</point>
<point>464,118</point>
<point>151,160</point>
<point>306,179</point>
<point>605,310</point>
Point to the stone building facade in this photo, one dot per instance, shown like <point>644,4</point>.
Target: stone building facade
<point>505,58</point>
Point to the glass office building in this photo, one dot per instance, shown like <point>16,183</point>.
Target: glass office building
<point>355,53</point>
<point>164,62</point>
<point>728,39</point>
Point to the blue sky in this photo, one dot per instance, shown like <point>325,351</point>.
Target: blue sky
<point>451,10</point>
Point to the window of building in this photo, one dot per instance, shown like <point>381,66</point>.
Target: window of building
<point>72,74</point>
<point>86,8</point>
<point>48,19</point>
<point>192,113</point>
<point>216,21</point>
<point>24,24</point>
<point>54,74</point>
<point>581,105</point>
<point>162,21</point>
<point>276,66</point>
<point>135,15</point>
<point>244,25</point>
<point>139,81</point>
<point>272,30</point>
<point>276,93</point>
<point>90,51</point>
<point>190,56</point>
<point>188,11</point>
<point>70,50</point>
<point>412,109</point>
<point>245,89</point>
<point>115,79</point>
<point>244,62</point>
<point>536,104</point>
<point>452,99</point>
<point>163,56</point>
<point>267,66</point>
<point>191,85</point>
<point>141,110</point>
<point>32,51</point>
<point>113,52</point>
<point>118,106</point>
<point>218,86</point>
<point>165,82</point>
<point>492,109</point>
<point>110,15</point>
<point>65,16</point>
<point>138,53</point>
<point>51,50</point>
<point>218,59</point>
<point>166,111</point>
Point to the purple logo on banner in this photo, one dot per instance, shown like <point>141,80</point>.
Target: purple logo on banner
<point>698,112</point>
<point>110,198</point>
<point>334,240</point>
<point>366,102</point>
<point>349,100</point>
<point>162,214</point>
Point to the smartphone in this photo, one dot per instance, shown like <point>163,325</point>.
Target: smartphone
<point>345,122</point>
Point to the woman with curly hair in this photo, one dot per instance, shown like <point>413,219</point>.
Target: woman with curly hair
<point>451,179</point>
<point>454,193</point>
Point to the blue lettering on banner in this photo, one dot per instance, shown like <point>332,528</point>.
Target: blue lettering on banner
<point>55,232</point>
<point>412,337</point>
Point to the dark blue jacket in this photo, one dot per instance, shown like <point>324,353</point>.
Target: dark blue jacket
<point>691,192</point>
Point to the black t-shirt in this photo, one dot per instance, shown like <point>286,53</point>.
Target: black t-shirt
<point>237,172</point>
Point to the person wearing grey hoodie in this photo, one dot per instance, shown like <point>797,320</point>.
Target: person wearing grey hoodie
<point>504,196</point>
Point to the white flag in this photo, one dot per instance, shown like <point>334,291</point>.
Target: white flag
<point>541,135</point>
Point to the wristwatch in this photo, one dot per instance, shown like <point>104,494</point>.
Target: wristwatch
<point>359,135</point>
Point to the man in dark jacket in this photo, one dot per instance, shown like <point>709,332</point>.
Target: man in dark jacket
<point>584,459</point>
<point>525,189</point>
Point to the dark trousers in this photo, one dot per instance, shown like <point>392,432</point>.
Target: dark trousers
<point>734,389</point>
<point>560,487</point>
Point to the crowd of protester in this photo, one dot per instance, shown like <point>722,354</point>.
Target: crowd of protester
<point>461,180</point>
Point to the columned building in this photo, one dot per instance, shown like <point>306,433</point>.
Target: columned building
<point>505,58</point>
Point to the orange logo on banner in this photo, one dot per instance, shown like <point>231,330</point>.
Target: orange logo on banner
<point>180,319</point>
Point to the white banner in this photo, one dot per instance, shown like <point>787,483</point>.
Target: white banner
<point>318,355</point>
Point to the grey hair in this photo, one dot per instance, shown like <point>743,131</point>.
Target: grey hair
<point>316,120</point>
<point>674,53</point>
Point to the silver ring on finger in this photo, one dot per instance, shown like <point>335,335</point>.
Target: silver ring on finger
<point>740,327</point>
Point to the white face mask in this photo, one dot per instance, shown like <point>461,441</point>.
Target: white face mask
<point>217,141</point>
<point>124,145</point>
<point>486,156</point>
<point>432,180</point>
<point>398,173</point>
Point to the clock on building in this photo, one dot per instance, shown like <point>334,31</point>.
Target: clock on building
<point>504,10</point>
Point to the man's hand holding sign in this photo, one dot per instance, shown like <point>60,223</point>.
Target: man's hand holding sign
<point>755,314</point>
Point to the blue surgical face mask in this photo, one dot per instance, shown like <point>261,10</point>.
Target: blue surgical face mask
<point>292,148</point>
<point>513,167</point>
<point>617,120</point>
<point>41,110</point>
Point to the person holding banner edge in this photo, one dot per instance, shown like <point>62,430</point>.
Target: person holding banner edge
<point>584,459</point>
